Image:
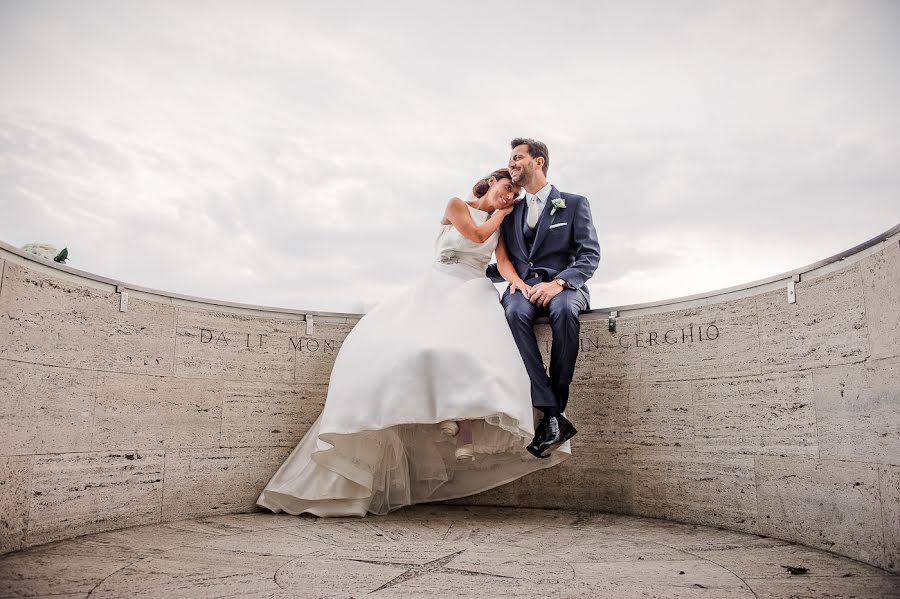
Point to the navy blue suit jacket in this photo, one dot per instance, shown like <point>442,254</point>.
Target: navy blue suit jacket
<point>565,244</point>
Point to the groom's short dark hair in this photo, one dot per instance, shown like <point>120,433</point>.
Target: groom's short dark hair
<point>535,149</point>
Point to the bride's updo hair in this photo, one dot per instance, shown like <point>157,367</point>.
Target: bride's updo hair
<point>482,186</point>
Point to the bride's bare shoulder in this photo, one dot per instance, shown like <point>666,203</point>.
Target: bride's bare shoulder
<point>454,205</point>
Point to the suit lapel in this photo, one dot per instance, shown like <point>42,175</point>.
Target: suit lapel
<point>545,221</point>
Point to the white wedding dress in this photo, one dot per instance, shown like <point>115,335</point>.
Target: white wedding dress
<point>439,351</point>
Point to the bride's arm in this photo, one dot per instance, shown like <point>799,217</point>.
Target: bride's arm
<point>457,213</point>
<point>508,271</point>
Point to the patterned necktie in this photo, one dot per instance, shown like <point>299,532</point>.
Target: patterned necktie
<point>533,212</point>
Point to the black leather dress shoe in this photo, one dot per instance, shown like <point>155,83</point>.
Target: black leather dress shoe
<point>558,431</point>
<point>533,447</point>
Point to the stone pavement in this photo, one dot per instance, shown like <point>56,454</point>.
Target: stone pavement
<point>434,551</point>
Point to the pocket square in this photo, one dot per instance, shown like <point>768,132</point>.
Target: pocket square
<point>558,225</point>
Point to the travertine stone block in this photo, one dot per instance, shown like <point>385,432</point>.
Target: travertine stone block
<point>700,343</point>
<point>200,573</point>
<point>646,579</point>
<point>661,415</point>
<point>600,413</point>
<point>234,346</point>
<point>2,267</point>
<point>153,412</point>
<point>715,489</point>
<point>826,326</point>
<point>822,503</point>
<point>769,562</point>
<point>584,544</point>
<point>15,488</point>
<point>592,479</point>
<point>773,415</point>
<point>694,539</point>
<point>134,542</point>
<point>265,542</point>
<point>881,287</point>
<point>231,524</point>
<point>858,407</point>
<point>889,478</point>
<point>604,475</point>
<point>217,481</point>
<point>315,353</point>
<point>54,321</point>
<point>269,414</point>
<point>503,496</point>
<point>46,576</point>
<point>45,409</point>
<point>79,493</point>
<point>603,355</point>
<point>814,587</point>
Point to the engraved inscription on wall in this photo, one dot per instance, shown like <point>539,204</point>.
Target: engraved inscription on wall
<point>694,334</point>
<point>650,339</point>
<point>261,341</point>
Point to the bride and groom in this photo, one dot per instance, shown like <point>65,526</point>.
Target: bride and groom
<point>434,393</point>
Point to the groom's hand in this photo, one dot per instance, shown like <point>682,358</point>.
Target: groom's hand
<point>542,293</point>
<point>521,286</point>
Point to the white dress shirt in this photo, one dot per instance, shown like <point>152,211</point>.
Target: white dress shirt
<point>535,202</point>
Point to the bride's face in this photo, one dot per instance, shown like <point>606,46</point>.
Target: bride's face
<point>503,193</point>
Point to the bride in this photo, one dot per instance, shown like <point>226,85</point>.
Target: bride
<point>429,399</point>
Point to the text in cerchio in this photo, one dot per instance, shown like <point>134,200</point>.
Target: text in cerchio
<point>650,339</point>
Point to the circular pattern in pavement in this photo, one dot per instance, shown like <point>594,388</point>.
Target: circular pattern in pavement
<point>435,551</point>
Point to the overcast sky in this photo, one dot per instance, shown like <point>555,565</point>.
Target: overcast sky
<point>299,154</point>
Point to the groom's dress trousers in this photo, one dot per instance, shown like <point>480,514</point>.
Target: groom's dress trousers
<point>563,245</point>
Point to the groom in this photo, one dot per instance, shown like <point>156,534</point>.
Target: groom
<point>551,241</point>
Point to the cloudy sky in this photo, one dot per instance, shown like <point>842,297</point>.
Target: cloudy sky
<point>299,154</point>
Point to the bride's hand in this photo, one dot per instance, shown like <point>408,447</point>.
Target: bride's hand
<point>505,211</point>
<point>522,287</point>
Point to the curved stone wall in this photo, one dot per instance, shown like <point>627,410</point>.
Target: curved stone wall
<point>122,406</point>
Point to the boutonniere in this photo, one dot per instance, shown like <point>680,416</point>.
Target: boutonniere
<point>558,204</point>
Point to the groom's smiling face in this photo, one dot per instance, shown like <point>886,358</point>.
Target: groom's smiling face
<point>522,166</point>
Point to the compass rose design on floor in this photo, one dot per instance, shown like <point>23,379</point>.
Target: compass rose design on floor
<point>437,566</point>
